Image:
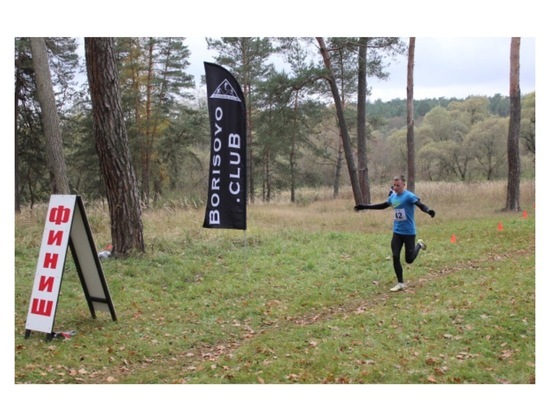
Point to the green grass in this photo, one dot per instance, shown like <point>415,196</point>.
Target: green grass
<point>302,297</point>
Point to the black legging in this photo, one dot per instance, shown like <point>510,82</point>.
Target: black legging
<point>411,252</point>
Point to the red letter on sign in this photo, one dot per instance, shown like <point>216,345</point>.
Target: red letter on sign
<point>60,215</point>
<point>46,283</point>
<point>50,260</point>
<point>42,307</point>
<point>55,237</point>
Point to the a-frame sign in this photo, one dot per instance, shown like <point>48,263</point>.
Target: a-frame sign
<point>66,226</point>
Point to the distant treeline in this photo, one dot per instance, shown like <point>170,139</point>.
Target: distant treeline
<point>498,105</point>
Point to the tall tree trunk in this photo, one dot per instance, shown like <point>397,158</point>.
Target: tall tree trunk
<point>50,118</point>
<point>16,147</point>
<point>340,159</point>
<point>267,184</point>
<point>293,151</point>
<point>338,171</point>
<point>410,117</point>
<point>148,135</point>
<point>363,170</point>
<point>112,147</point>
<point>346,140</point>
<point>249,160</point>
<point>514,171</point>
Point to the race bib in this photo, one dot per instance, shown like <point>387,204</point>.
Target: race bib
<point>400,215</point>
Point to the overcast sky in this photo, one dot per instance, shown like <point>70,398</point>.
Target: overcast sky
<point>444,67</point>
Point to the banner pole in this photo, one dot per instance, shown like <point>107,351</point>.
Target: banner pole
<point>245,254</point>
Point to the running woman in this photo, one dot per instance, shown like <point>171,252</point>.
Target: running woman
<point>404,226</point>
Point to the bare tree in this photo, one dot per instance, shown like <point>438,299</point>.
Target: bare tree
<point>410,116</point>
<point>361,122</point>
<point>512,193</point>
<point>17,192</point>
<point>50,118</point>
<point>112,147</point>
<point>346,140</point>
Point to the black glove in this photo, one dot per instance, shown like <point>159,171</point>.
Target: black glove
<point>357,208</point>
<point>431,213</point>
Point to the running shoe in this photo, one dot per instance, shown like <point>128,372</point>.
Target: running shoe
<point>422,244</point>
<point>398,287</point>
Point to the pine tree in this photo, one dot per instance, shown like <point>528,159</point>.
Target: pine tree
<point>112,147</point>
<point>50,118</point>
<point>246,59</point>
<point>514,172</point>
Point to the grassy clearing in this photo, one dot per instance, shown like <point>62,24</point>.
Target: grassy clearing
<point>301,297</point>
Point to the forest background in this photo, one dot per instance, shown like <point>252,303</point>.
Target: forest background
<point>296,140</point>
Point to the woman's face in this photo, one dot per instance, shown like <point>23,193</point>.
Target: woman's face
<point>398,186</point>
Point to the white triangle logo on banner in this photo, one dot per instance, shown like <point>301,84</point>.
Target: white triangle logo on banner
<point>225,91</point>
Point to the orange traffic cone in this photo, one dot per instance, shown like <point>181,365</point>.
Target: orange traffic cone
<point>453,238</point>
<point>525,214</point>
<point>500,228</point>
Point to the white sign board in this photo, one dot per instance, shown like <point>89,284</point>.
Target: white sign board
<point>66,225</point>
